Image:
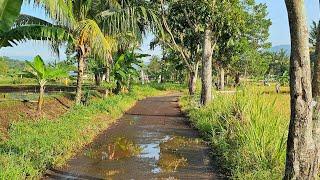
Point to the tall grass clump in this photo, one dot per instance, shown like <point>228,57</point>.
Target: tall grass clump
<point>247,130</point>
<point>34,146</point>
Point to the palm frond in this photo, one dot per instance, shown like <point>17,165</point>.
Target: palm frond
<point>133,18</point>
<point>89,34</point>
<point>59,10</point>
<point>25,19</point>
<point>34,32</point>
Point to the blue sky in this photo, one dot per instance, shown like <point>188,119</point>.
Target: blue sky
<point>279,31</point>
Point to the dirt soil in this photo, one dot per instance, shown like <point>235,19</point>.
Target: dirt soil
<point>153,140</point>
<point>16,111</point>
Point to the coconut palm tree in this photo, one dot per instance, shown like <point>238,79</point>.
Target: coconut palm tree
<point>84,24</point>
<point>72,22</point>
<point>42,73</point>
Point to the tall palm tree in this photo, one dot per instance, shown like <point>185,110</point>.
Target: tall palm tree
<point>84,24</point>
<point>72,22</point>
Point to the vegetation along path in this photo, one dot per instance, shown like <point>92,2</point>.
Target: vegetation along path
<point>152,140</point>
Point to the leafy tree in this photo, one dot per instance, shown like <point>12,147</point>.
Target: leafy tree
<point>154,68</point>
<point>4,67</point>
<point>243,53</point>
<point>183,28</point>
<point>313,34</point>
<point>42,74</point>
<point>279,63</point>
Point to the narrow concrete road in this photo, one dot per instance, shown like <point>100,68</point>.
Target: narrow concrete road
<point>151,141</point>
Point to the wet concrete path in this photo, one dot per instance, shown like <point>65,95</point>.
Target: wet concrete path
<point>151,141</point>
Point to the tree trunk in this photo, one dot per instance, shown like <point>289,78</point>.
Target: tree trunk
<point>41,98</point>
<point>192,83</point>
<point>142,76</point>
<point>237,79</point>
<point>227,80</point>
<point>107,74</point>
<point>118,88</point>
<point>302,161</point>
<point>221,78</point>
<point>107,79</point>
<point>206,79</point>
<point>193,79</point>
<point>316,97</point>
<point>81,65</point>
<point>97,78</point>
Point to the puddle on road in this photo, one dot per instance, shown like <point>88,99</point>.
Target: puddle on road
<point>121,148</point>
<point>133,119</point>
<point>169,161</point>
<point>164,155</point>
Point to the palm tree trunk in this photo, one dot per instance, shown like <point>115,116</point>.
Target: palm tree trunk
<point>107,74</point>
<point>41,98</point>
<point>221,78</point>
<point>302,161</point>
<point>206,79</point>
<point>81,65</point>
<point>107,79</point>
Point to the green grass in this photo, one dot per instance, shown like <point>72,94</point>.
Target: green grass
<point>247,130</point>
<point>35,146</point>
<point>169,86</point>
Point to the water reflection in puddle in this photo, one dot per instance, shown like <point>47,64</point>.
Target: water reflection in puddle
<point>166,153</point>
<point>133,120</point>
<point>163,154</point>
<point>119,149</point>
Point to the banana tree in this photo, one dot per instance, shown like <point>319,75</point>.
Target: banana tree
<point>9,11</point>
<point>43,74</point>
<point>86,23</point>
<point>125,68</point>
<point>73,23</point>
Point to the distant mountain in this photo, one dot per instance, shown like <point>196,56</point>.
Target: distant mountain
<point>285,47</point>
<point>13,63</point>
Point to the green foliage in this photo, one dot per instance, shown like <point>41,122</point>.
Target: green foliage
<point>108,85</point>
<point>35,146</point>
<point>14,65</point>
<point>169,86</point>
<point>314,33</point>
<point>247,130</point>
<point>43,73</point>
<point>9,11</point>
<point>4,67</point>
<point>283,79</point>
<point>125,68</point>
<point>279,66</point>
<point>154,68</point>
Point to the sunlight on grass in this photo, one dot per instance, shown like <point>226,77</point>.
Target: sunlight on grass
<point>33,147</point>
<point>248,130</point>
